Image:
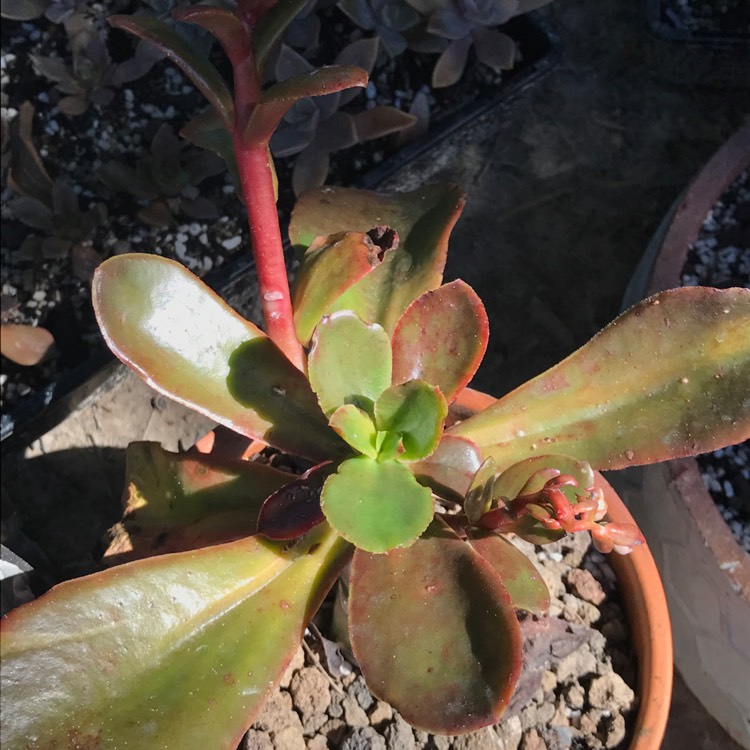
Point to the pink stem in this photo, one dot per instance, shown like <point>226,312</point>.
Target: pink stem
<point>268,252</point>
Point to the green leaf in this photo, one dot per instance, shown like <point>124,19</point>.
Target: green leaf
<point>441,338</point>
<point>450,469</point>
<point>524,583</point>
<point>376,506</point>
<point>176,502</point>
<point>435,633</point>
<point>174,651</point>
<point>198,69</point>
<point>668,378</point>
<point>350,362</point>
<point>415,411</point>
<point>328,268</point>
<point>186,342</point>
<point>356,427</point>
<point>279,98</point>
<point>479,495</point>
<point>423,219</point>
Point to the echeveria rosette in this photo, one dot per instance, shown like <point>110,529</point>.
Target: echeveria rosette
<point>373,500</point>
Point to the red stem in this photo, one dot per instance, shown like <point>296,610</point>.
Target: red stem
<point>268,252</point>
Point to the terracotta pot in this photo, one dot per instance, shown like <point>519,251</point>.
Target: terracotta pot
<point>706,572</point>
<point>646,608</point>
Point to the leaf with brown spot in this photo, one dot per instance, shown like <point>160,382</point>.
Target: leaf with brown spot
<point>441,338</point>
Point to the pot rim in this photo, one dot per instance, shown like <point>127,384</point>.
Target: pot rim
<point>685,222</point>
<point>687,215</point>
<point>646,609</point>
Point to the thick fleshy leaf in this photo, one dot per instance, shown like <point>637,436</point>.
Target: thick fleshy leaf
<point>449,470</point>
<point>222,24</point>
<point>441,338</point>
<point>295,508</point>
<point>524,583</point>
<point>423,220</point>
<point>668,378</point>
<point>25,345</point>
<point>329,267</point>
<point>197,68</point>
<point>350,362</point>
<point>380,121</point>
<point>450,65</point>
<point>415,411</point>
<point>278,99</point>
<point>479,495</point>
<point>495,49</point>
<point>524,475</point>
<point>376,506</point>
<point>186,342</point>
<point>357,428</point>
<point>435,633</point>
<point>174,651</point>
<point>176,502</point>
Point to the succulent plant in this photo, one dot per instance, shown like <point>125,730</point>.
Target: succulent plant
<point>453,27</point>
<point>389,19</point>
<point>56,11</point>
<point>50,207</point>
<point>355,373</point>
<point>313,129</point>
<point>167,178</point>
<point>92,75</point>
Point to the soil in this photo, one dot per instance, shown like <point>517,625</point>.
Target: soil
<point>576,690</point>
<point>721,257</point>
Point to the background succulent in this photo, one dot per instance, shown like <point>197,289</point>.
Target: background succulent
<point>167,178</point>
<point>91,75</point>
<point>313,129</point>
<point>389,19</point>
<point>453,27</point>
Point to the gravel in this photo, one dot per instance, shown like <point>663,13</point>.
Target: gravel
<point>576,690</point>
<point>721,257</point>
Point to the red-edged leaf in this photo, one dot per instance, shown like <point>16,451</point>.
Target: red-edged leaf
<point>198,69</point>
<point>435,633</point>
<point>441,338</point>
<point>186,342</point>
<point>668,378</point>
<point>423,220</point>
<point>524,583</point>
<point>329,267</point>
<point>276,100</point>
<point>295,508</point>
<point>176,502</point>
<point>174,651</point>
